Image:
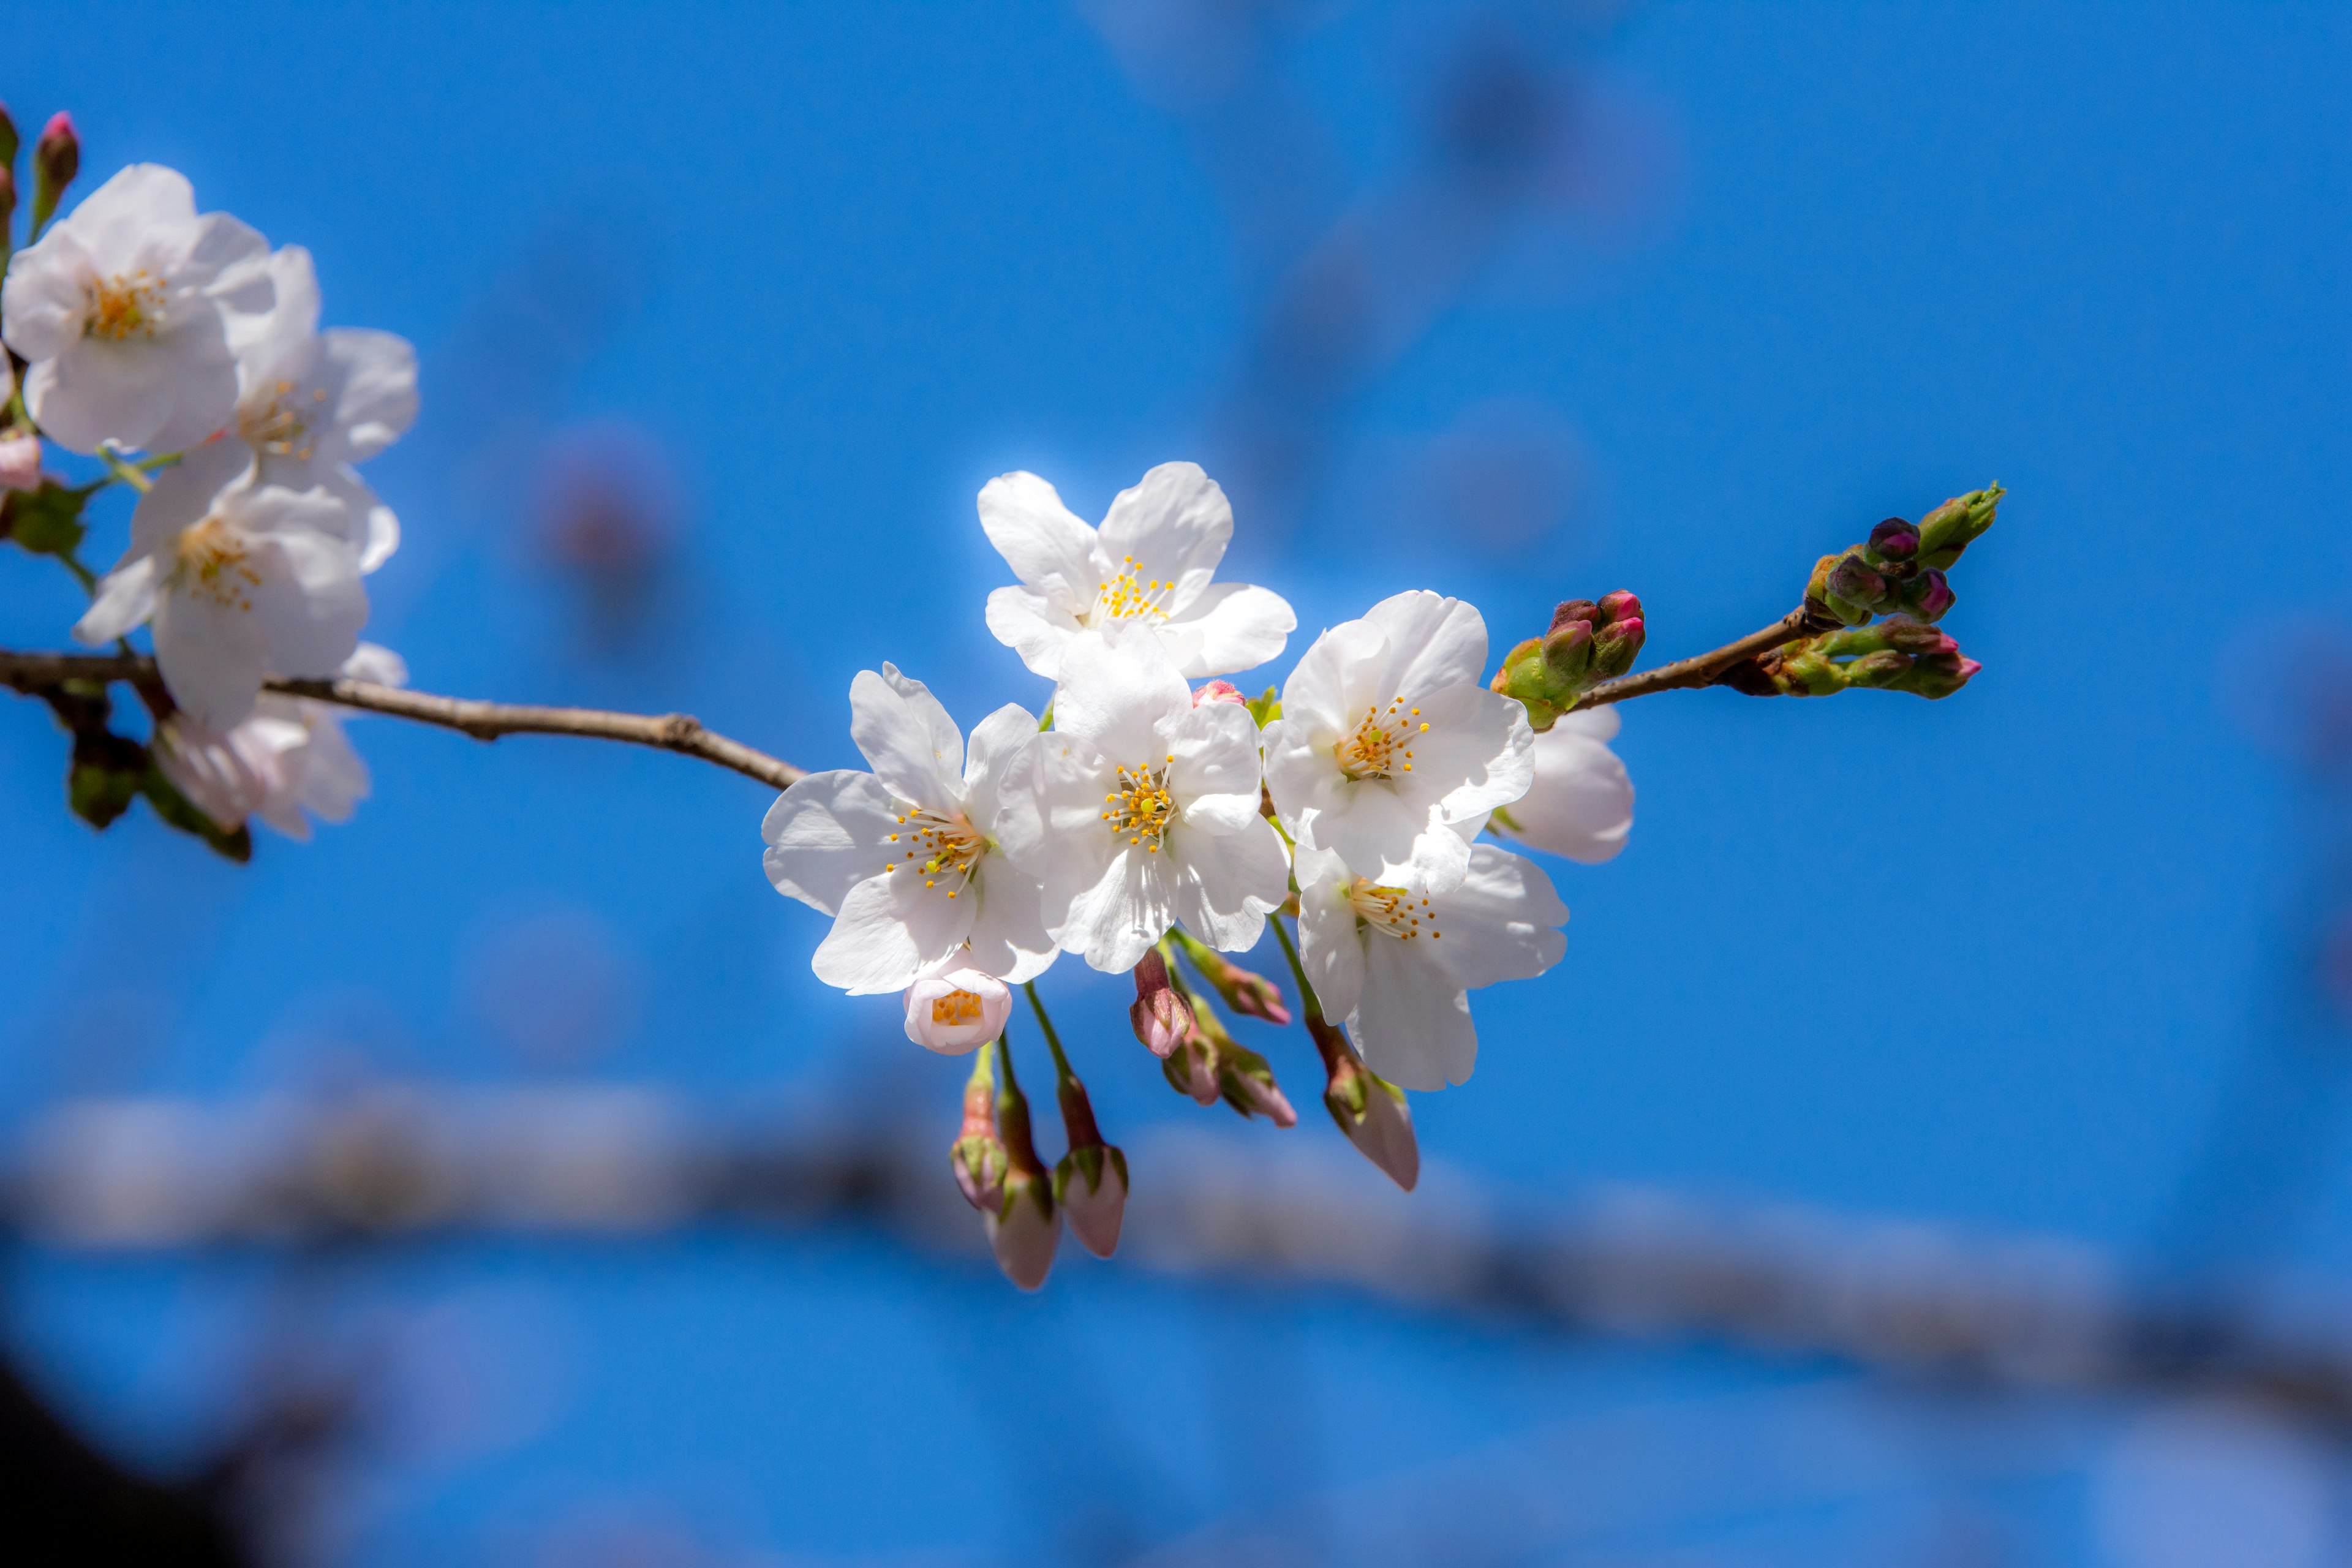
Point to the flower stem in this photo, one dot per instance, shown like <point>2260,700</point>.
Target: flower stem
<point>1046,1024</point>
<point>1298,971</point>
<point>124,472</point>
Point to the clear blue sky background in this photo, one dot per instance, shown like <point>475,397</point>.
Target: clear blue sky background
<point>1980,961</point>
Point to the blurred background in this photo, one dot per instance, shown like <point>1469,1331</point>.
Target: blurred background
<point>1931,1152</point>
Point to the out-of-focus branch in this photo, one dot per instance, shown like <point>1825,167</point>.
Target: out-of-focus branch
<point>33,673</point>
<point>1704,669</point>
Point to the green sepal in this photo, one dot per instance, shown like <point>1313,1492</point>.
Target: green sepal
<point>1266,707</point>
<point>47,522</point>
<point>180,813</point>
<point>105,776</point>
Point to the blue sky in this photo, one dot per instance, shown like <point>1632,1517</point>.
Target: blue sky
<point>1982,961</point>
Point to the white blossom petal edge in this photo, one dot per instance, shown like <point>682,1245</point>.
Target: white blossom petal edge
<point>1151,564</point>
<point>129,310</point>
<point>289,756</point>
<point>1398,966</point>
<point>905,858</point>
<point>1389,745</point>
<point>1139,809</point>
<point>1581,802</point>
<point>243,581</point>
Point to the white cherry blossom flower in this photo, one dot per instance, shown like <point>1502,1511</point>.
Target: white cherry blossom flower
<point>129,310</point>
<point>243,581</point>
<point>905,858</point>
<point>1581,802</point>
<point>1149,565</point>
<point>952,1008</point>
<point>288,756</point>
<point>1398,965</point>
<point>312,403</point>
<point>1137,809</point>
<point>1389,745</point>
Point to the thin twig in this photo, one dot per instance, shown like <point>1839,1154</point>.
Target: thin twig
<point>35,672</point>
<point>1701,669</point>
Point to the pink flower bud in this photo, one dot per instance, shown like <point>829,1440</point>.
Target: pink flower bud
<point>1621,605</point>
<point>978,1156</point>
<point>1192,1068</point>
<point>57,158</point>
<point>1219,692</point>
<point>1090,1186</point>
<point>1246,1081</point>
<point>954,1010</point>
<point>1025,1232</point>
<point>1162,1019</point>
<point>1369,1109</point>
<point>20,462</point>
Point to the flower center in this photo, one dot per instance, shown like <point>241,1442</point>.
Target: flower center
<point>212,564</point>
<point>1129,597</point>
<point>940,845</point>
<point>955,1008</point>
<point>125,305</point>
<point>1140,807</point>
<point>1379,748</point>
<point>278,426</point>
<point>1400,913</point>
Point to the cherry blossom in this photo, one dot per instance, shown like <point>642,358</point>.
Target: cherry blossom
<point>1397,964</point>
<point>290,755</point>
<point>243,581</point>
<point>1388,745</point>
<point>905,858</point>
<point>1581,802</point>
<point>1149,565</point>
<point>129,312</point>
<point>1139,809</point>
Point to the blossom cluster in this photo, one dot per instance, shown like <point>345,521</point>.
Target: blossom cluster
<point>1150,825</point>
<point>185,355</point>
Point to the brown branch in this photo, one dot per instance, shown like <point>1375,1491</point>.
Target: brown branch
<point>33,673</point>
<point>1705,668</point>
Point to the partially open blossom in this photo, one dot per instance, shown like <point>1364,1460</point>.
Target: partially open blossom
<point>243,581</point>
<point>1397,964</point>
<point>289,756</point>
<point>1388,743</point>
<point>1218,692</point>
<point>129,309</point>
<point>1581,802</point>
<point>312,403</point>
<point>1151,567</point>
<point>905,858</point>
<point>1137,809</point>
<point>1162,1018</point>
<point>952,1008</point>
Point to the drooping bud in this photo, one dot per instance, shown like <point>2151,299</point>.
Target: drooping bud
<point>1219,692</point>
<point>1192,1068</point>
<point>977,1157</point>
<point>1162,1018</point>
<point>1955,525</point>
<point>1368,1108</point>
<point>1090,1183</point>
<point>1246,1081</point>
<point>57,158</point>
<point>952,1009</point>
<point>8,205</point>
<point>20,461</point>
<point>1026,1227</point>
<point>1251,994</point>
<point>8,139</point>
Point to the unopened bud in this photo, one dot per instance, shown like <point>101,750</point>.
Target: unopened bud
<point>7,200</point>
<point>1567,651</point>
<point>1192,1068</point>
<point>1930,595</point>
<point>1090,1188</point>
<point>1025,1231</point>
<point>1246,1081</point>
<point>977,1157</point>
<point>1368,1108</point>
<point>8,139</point>
<point>1917,637</point>
<point>57,158</point>
<point>954,1010</point>
<point>1569,610</point>
<point>1955,525</point>
<point>1219,692</point>
<point>1251,994</point>
<point>1616,647</point>
<point>1896,540</point>
<point>1621,605</point>
<point>20,461</point>
<point>1162,1018</point>
<point>1852,583</point>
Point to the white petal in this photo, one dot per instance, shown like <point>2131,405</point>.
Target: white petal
<point>1173,525</point>
<point>826,834</point>
<point>1115,922</point>
<point>126,597</point>
<point>45,300</point>
<point>1413,1022</point>
<point>1390,838</point>
<point>1047,547</point>
<point>139,201</point>
<point>310,602</point>
<point>906,736</point>
<point>330,778</point>
<point>1329,949</point>
<point>1581,802</point>
<point>1049,816</point>
<point>1338,678</point>
<point>1478,753</point>
<point>1500,923</point>
<point>1009,936</point>
<point>212,655</point>
<point>1215,775</point>
<point>1033,626</point>
<point>995,742</point>
<point>1227,883</point>
<point>1592,724</point>
<point>374,662</point>
<point>1116,691</point>
<point>890,927</point>
<point>98,392</point>
<point>1433,642</point>
<point>185,492</point>
<point>371,381</point>
<point>1233,626</point>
